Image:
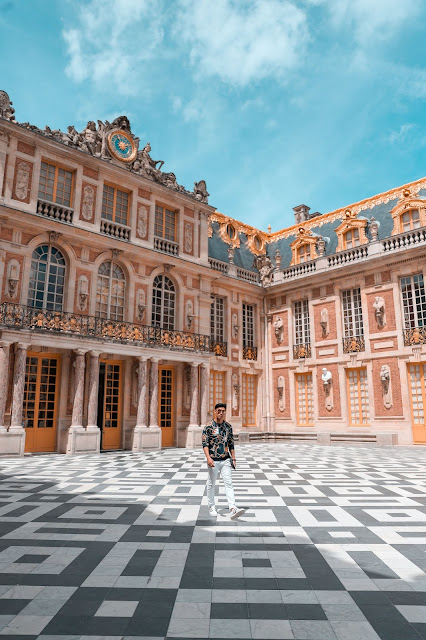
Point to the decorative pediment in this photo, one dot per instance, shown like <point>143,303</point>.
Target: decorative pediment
<point>412,205</point>
<point>304,238</point>
<point>351,222</point>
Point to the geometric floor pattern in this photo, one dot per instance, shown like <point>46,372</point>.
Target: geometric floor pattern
<point>120,545</point>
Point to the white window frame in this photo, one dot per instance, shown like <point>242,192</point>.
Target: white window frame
<point>413,300</point>
<point>302,328</point>
<point>352,313</point>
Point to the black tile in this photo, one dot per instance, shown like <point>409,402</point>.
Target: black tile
<point>32,558</point>
<point>226,583</point>
<point>295,584</point>
<point>147,609</point>
<point>155,595</point>
<point>111,626</point>
<point>370,598</point>
<point>67,625</point>
<point>420,627</point>
<point>406,597</point>
<point>156,627</point>
<point>267,611</point>
<point>12,606</point>
<point>225,610</point>
<point>394,629</point>
<point>260,583</point>
<point>305,612</point>
<point>256,562</point>
<point>318,572</point>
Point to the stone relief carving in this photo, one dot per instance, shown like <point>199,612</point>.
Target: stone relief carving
<point>281,393</point>
<point>4,137</point>
<point>12,281</point>
<point>327,379</point>
<point>379,311</point>
<point>6,109</point>
<point>82,292</point>
<point>93,139</point>
<point>235,325</point>
<point>22,180</point>
<point>88,202</point>
<point>265,268</point>
<point>188,238</point>
<point>142,223</point>
<point>278,329</point>
<point>187,388</point>
<point>386,386</point>
<point>189,313</point>
<point>324,323</point>
<point>141,305</point>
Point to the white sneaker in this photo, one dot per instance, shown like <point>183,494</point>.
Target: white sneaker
<point>213,512</point>
<point>236,513</point>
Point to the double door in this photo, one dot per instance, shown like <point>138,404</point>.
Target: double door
<point>41,394</point>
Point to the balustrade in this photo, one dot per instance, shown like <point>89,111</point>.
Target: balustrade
<point>345,257</point>
<point>166,246</point>
<point>54,211</point>
<point>115,230</point>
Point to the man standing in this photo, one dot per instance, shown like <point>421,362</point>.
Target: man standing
<point>218,446</point>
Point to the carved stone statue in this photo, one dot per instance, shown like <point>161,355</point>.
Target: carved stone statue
<point>324,322</point>
<point>379,311</point>
<point>231,252</point>
<point>235,391</point>
<point>374,229</point>
<point>188,238</point>
<point>327,379</point>
<point>278,329</point>
<point>320,246</point>
<point>88,202</point>
<point>200,191</point>
<point>386,386</point>
<point>281,393</point>
<point>277,257</point>
<point>6,109</point>
<point>264,265</point>
<point>142,222</point>
<point>22,180</point>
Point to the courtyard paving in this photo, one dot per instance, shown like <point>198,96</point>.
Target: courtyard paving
<point>120,545</point>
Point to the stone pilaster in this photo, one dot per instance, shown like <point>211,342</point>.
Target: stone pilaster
<point>204,389</point>
<point>77,408</point>
<point>4,377</point>
<point>194,432</point>
<point>18,386</point>
<point>153,393</point>
<point>145,437</point>
<point>92,407</point>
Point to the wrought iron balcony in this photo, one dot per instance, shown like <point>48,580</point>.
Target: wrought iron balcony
<point>302,350</point>
<point>415,335</point>
<point>17,316</point>
<point>249,353</point>
<point>218,348</point>
<point>353,344</point>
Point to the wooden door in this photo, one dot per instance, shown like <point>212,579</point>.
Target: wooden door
<point>416,375</point>
<point>110,403</point>
<point>42,378</point>
<point>249,400</point>
<point>359,409</point>
<point>304,400</point>
<point>166,405</point>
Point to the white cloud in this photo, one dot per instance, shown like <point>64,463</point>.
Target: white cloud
<point>112,38</point>
<point>400,135</point>
<point>242,41</point>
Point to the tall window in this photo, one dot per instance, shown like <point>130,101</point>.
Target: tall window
<point>217,388</point>
<point>248,325</point>
<point>165,223</point>
<point>414,301</point>
<point>302,333</point>
<point>217,319</point>
<point>352,313</point>
<point>47,278</point>
<point>115,205</point>
<point>304,253</point>
<point>55,184</point>
<point>110,291</point>
<point>351,238</point>
<point>410,220</point>
<point>163,303</point>
<point>249,400</point>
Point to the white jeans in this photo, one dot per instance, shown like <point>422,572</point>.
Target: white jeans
<point>222,467</point>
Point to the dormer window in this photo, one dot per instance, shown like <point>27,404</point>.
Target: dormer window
<point>351,238</point>
<point>230,231</point>
<point>410,220</point>
<point>304,253</point>
<point>351,232</point>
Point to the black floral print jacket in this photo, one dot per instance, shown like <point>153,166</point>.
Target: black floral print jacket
<point>219,439</point>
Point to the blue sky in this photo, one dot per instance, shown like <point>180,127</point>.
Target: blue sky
<point>273,102</point>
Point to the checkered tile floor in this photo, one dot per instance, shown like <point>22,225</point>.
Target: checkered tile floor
<point>332,546</point>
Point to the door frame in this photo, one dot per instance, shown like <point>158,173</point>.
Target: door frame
<point>423,383</point>
<point>120,404</point>
<point>298,375</point>
<point>172,368</point>
<point>348,393</point>
<point>40,355</point>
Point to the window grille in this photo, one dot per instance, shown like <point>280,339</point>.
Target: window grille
<point>301,322</point>
<point>115,205</point>
<point>410,220</point>
<point>55,184</point>
<point>165,223</point>
<point>352,238</point>
<point>110,291</point>
<point>217,320</point>
<point>352,313</point>
<point>304,253</point>
<point>414,301</point>
<point>47,278</point>
<point>248,325</point>
<point>163,303</point>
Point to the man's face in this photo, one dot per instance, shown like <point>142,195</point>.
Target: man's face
<point>219,415</point>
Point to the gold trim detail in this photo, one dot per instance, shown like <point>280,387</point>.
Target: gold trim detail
<point>129,139</point>
<point>304,237</point>
<point>407,203</point>
<point>351,222</point>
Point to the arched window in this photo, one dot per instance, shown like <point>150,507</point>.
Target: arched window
<point>410,220</point>
<point>304,253</point>
<point>163,303</point>
<point>47,278</point>
<point>110,291</point>
<point>351,238</point>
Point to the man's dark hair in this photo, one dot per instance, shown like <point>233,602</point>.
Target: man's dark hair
<point>219,404</point>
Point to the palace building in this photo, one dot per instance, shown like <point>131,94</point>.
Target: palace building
<point>130,306</point>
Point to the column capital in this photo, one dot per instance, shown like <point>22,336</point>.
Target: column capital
<point>92,354</point>
<point>22,345</point>
<point>155,360</point>
<point>5,343</point>
<point>204,365</point>
<point>142,358</point>
<point>80,352</point>
<point>194,365</point>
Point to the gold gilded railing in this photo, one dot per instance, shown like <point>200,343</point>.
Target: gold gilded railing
<point>62,322</point>
<point>249,353</point>
<point>353,344</point>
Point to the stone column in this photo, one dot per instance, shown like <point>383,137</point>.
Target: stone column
<point>77,408</point>
<point>193,416</point>
<point>4,377</point>
<point>204,385</point>
<point>92,407</point>
<point>153,393</point>
<point>141,420</point>
<point>18,386</point>
<point>147,437</point>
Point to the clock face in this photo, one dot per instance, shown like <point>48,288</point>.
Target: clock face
<point>122,146</point>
